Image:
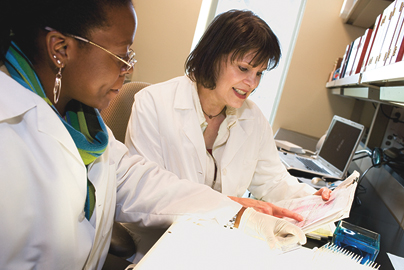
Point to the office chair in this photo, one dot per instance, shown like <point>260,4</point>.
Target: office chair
<point>116,115</point>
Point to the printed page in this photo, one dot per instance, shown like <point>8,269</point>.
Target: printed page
<point>317,212</point>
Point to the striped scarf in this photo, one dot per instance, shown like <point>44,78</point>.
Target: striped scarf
<point>84,123</point>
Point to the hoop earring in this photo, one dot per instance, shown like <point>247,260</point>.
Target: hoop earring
<point>58,85</point>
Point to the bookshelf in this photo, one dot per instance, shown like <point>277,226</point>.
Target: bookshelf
<point>382,85</point>
<point>373,89</point>
<point>362,13</point>
<point>378,93</point>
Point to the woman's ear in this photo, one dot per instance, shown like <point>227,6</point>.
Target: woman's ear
<point>57,46</point>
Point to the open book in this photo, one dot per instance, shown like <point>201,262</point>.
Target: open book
<point>316,212</point>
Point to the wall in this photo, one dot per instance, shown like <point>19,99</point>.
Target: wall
<point>164,38</point>
<point>306,105</point>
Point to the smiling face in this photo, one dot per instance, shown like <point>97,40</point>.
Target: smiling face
<point>93,76</point>
<point>236,80</point>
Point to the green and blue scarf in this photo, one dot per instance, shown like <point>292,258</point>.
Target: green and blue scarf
<point>84,123</point>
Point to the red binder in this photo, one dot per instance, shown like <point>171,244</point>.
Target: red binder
<point>361,51</point>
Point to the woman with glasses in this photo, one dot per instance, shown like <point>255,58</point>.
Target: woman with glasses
<point>64,179</point>
<point>204,128</point>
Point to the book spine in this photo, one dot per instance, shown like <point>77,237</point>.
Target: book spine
<point>392,53</point>
<point>400,51</point>
<point>370,46</point>
<point>361,51</point>
<point>391,29</point>
<point>343,62</point>
<point>347,59</point>
<point>352,57</point>
<point>381,34</point>
<point>337,65</point>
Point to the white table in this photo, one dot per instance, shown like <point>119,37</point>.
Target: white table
<point>188,245</point>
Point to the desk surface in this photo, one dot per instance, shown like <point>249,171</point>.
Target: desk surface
<point>192,246</point>
<point>303,140</point>
<point>188,245</point>
<point>372,214</point>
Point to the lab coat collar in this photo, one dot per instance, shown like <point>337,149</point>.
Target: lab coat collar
<point>183,97</point>
<point>241,129</point>
<point>184,106</point>
<point>245,112</point>
<point>14,105</point>
<point>240,132</point>
<point>20,100</point>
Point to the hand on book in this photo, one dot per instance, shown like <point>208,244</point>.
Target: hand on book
<point>267,208</point>
<point>331,207</point>
<point>276,232</point>
<point>324,192</point>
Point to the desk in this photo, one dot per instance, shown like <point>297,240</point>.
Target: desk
<point>187,245</point>
<point>303,140</point>
<point>191,246</point>
<point>373,214</point>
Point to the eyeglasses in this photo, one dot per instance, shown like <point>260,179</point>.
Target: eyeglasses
<point>130,62</point>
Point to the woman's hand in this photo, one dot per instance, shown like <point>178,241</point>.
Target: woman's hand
<point>277,232</point>
<point>324,192</point>
<point>267,208</point>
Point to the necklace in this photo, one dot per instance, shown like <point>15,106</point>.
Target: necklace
<point>213,116</point>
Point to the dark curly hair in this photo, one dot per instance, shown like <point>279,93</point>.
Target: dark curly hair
<point>238,32</point>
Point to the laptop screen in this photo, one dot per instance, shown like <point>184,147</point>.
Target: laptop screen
<point>340,143</point>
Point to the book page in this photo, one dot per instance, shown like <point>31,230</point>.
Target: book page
<point>317,212</point>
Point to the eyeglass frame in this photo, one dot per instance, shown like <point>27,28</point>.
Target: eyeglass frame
<point>130,64</point>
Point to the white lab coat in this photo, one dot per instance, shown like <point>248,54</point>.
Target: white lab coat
<point>164,128</point>
<point>43,190</point>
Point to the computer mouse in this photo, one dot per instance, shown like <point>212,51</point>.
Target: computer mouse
<point>315,180</point>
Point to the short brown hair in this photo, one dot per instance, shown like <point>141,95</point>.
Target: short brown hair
<point>238,32</point>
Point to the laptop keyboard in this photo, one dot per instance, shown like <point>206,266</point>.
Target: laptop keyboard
<point>311,165</point>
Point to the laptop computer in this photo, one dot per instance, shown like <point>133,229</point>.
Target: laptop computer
<point>335,155</point>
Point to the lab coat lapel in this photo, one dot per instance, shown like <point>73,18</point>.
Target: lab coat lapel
<point>51,124</point>
<point>184,108</point>
<point>239,134</point>
<point>48,121</point>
